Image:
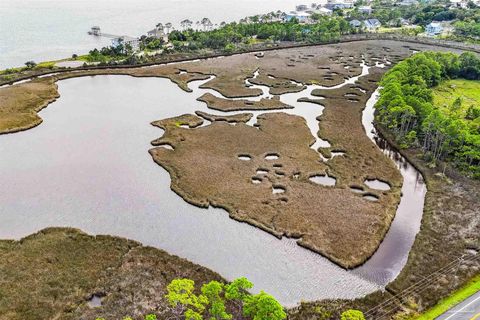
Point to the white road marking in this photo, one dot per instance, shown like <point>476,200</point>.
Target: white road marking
<point>463,308</point>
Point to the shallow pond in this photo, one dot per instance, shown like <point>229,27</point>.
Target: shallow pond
<point>87,166</point>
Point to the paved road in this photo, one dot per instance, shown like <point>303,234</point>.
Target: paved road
<point>466,310</point>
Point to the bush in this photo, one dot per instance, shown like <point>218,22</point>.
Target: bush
<point>352,315</point>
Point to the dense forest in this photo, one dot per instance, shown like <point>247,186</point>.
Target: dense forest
<point>406,108</point>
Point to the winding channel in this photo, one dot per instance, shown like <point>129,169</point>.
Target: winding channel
<point>87,167</point>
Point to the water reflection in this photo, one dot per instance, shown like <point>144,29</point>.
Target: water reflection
<point>86,166</point>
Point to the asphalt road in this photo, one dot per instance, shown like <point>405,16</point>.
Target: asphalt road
<point>468,309</point>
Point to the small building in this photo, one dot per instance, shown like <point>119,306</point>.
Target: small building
<point>372,24</point>
<point>133,42</point>
<point>156,33</point>
<point>355,23</point>
<point>434,28</point>
<point>302,17</point>
<point>365,9</point>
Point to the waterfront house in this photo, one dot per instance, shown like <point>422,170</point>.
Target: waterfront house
<point>156,33</point>
<point>133,42</point>
<point>434,28</point>
<point>372,24</point>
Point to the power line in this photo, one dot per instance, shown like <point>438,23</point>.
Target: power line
<point>390,305</point>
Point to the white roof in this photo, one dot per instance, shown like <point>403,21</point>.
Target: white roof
<point>299,14</point>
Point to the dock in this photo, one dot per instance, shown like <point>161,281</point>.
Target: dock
<point>96,31</point>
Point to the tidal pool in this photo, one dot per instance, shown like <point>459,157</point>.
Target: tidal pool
<point>87,166</point>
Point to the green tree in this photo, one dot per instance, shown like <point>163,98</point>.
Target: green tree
<point>30,64</point>
<point>473,112</point>
<point>238,289</point>
<point>212,291</point>
<point>181,292</point>
<point>352,315</point>
<point>263,306</point>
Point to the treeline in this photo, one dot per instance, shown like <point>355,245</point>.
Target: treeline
<point>467,28</point>
<point>234,34</point>
<point>105,54</point>
<point>406,108</point>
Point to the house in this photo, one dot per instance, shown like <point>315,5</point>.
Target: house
<point>365,9</point>
<point>302,17</point>
<point>404,22</point>
<point>339,4</point>
<point>301,7</point>
<point>372,24</point>
<point>323,11</point>
<point>434,28</point>
<point>156,33</point>
<point>133,42</point>
<point>355,23</point>
<point>463,4</point>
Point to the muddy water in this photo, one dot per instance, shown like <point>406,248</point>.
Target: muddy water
<point>87,166</point>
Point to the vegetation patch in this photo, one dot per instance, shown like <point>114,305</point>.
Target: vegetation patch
<point>206,170</point>
<point>19,104</point>
<point>222,104</point>
<point>460,96</point>
<point>408,107</point>
<point>53,274</point>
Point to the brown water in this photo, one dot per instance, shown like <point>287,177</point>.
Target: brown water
<point>87,166</point>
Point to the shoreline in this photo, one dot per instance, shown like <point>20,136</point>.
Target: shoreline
<point>343,39</point>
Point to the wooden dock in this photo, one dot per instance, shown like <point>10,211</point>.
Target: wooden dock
<point>96,31</point>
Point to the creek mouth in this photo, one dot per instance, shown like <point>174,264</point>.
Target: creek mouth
<point>87,167</point>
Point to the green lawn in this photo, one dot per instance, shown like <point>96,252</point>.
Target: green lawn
<point>463,293</point>
<point>448,91</point>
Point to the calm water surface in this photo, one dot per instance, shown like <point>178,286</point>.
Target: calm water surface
<point>87,166</point>
<point>42,30</point>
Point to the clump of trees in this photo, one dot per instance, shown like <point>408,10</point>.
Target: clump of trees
<point>324,29</point>
<point>106,54</point>
<point>31,64</point>
<point>406,108</point>
<point>219,301</point>
<point>215,298</point>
